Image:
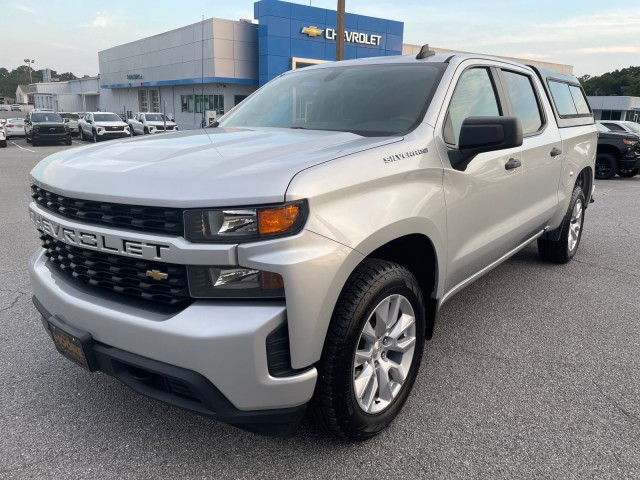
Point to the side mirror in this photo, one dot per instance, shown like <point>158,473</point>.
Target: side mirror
<point>485,134</point>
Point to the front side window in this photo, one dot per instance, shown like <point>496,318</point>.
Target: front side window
<point>524,101</point>
<point>474,95</point>
<point>369,100</point>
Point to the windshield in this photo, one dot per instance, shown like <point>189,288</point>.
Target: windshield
<point>16,121</point>
<point>71,116</point>
<point>634,127</point>
<point>369,100</point>
<point>106,117</point>
<point>46,117</point>
<point>156,117</point>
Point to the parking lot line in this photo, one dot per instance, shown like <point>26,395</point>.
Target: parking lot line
<point>14,143</point>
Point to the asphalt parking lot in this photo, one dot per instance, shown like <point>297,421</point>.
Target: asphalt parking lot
<point>533,372</point>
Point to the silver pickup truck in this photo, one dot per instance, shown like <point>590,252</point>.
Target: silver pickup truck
<point>293,258</point>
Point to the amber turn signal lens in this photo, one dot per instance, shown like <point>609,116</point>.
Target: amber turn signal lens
<point>272,281</point>
<point>277,220</point>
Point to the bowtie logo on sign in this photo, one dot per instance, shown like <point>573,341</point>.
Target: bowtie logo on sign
<point>353,37</point>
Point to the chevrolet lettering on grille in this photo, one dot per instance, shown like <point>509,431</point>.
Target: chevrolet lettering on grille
<point>95,241</point>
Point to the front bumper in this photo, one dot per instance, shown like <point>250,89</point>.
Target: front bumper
<point>630,161</point>
<point>221,342</point>
<point>51,137</point>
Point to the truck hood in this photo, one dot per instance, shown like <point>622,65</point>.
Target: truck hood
<point>197,168</point>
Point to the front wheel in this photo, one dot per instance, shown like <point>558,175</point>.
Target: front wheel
<point>565,247</point>
<point>606,166</point>
<point>372,351</point>
<point>628,173</point>
<point>94,137</point>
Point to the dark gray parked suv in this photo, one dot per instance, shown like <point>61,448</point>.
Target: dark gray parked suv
<point>42,127</point>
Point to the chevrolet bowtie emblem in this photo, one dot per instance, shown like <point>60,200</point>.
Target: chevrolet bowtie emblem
<point>157,275</point>
<point>312,31</point>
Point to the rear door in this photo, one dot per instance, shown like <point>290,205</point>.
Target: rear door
<point>542,154</point>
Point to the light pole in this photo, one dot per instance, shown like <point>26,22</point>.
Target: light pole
<point>29,63</point>
<point>340,31</point>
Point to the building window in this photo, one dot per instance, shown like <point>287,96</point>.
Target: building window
<point>187,103</point>
<point>210,102</point>
<point>611,115</point>
<point>143,100</point>
<point>155,101</point>
<point>238,98</point>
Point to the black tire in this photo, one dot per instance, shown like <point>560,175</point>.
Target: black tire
<point>628,173</point>
<point>94,136</point>
<point>563,249</point>
<point>81,134</point>
<point>335,406</point>
<point>68,141</point>
<point>3,144</point>
<point>146,131</point>
<point>606,166</point>
<point>27,138</point>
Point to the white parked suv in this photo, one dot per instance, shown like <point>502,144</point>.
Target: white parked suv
<point>144,123</point>
<point>295,254</point>
<point>98,126</point>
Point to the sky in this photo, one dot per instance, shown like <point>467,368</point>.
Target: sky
<point>594,36</point>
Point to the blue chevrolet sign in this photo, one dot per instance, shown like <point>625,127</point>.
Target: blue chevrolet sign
<point>288,31</point>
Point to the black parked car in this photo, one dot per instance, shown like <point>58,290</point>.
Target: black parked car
<point>618,152</point>
<point>40,127</point>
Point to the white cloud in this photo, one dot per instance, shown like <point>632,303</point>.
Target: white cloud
<point>67,47</point>
<point>25,9</point>
<point>101,22</point>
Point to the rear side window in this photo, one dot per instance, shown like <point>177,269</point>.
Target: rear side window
<point>579,101</point>
<point>474,96</point>
<point>568,99</point>
<point>524,101</point>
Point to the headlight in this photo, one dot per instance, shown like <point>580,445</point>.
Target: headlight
<point>246,224</point>
<point>233,282</point>
<point>629,142</point>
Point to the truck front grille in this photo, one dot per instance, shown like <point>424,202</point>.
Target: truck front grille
<point>124,275</point>
<point>129,217</point>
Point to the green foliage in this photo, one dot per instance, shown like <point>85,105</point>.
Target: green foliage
<point>9,80</point>
<point>620,82</point>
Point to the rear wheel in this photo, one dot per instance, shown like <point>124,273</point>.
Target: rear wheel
<point>628,173</point>
<point>563,249</point>
<point>606,166</point>
<point>372,351</point>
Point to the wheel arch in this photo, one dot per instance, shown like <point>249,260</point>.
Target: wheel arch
<point>610,150</point>
<point>417,254</point>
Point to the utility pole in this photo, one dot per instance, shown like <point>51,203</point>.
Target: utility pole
<point>340,31</point>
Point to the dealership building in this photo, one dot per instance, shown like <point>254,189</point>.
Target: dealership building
<point>202,70</point>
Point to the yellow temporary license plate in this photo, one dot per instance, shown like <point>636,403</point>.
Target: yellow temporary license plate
<point>68,345</point>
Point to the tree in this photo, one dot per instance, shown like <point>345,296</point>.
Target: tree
<point>619,82</point>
